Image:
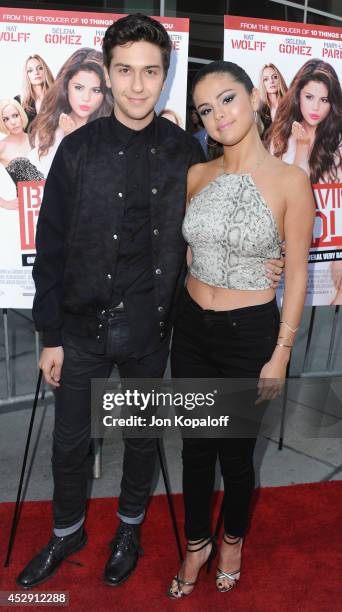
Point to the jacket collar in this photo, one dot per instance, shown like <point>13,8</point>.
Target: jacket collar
<point>124,134</point>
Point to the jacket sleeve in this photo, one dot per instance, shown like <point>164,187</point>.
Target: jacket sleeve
<point>51,238</point>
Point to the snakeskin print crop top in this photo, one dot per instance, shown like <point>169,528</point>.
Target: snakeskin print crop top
<point>231,232</point>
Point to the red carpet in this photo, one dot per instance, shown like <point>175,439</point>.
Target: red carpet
<point>291,563</point>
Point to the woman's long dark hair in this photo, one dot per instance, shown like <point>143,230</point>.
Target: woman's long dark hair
<point>56,101</point>
<point>325,156</point>
<point>235,71</point>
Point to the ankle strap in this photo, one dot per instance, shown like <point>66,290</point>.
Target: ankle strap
<point>235,538</point>
<point>204,542</point>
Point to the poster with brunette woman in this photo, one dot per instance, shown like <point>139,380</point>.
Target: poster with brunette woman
<point>300,117</point>
<point>54,84</point>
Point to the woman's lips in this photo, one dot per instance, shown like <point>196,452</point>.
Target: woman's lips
<point>84,107</point>
<point>225,125</point>
<point>314,117</point>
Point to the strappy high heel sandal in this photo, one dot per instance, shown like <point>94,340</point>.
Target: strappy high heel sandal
<point>233,576</point>
<point>200,544</point>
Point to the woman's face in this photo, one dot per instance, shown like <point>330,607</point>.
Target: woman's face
<point>314,103</point>
<point>84,93</point>
<point>225,107</point>
<point>12,120</point>
<point>35,71</point>
<point>270,80</point>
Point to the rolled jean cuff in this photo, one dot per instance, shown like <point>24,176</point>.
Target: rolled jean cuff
<point>131,520</point>
<point>66,531</point>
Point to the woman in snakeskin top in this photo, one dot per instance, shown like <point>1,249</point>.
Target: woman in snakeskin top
<point>241,205</point>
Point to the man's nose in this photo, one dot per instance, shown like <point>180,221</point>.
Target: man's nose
<point>137,84</point>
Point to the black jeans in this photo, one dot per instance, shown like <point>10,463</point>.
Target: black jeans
<point>71,438</point>
<point>224,344</point>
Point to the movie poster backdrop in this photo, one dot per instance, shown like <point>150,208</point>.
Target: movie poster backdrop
<point>280,57</point>
<point>39,49</point>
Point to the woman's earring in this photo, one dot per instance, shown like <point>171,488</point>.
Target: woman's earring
<point>211,143</point>
<point>255,113</point>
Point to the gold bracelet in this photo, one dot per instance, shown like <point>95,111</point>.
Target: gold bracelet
<point>285,345</point>
<point>290,328</point>
<point>285,338</point>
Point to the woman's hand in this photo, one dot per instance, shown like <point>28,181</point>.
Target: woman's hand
<point>299,133</point>
<point>66,124</point>
<point>272,379</point>
<point>9,204</point>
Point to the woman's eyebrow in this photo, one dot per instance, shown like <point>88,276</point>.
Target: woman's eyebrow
<point>217,97</point>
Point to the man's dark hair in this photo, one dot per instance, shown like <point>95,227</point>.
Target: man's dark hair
<point>134,28</point>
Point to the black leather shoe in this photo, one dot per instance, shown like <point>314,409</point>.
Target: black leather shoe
<point>46,562</point>
<point>125,554</point>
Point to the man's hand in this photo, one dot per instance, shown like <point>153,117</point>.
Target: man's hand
<point>275,268</point>
<point>51,361</point>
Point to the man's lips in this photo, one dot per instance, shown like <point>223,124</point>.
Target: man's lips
<point>137,100</point>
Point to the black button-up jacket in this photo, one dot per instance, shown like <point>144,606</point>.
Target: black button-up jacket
<point>79,228</point>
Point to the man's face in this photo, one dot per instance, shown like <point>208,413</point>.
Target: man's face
<point>136,77</point>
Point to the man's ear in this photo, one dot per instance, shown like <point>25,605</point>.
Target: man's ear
<point>106,75</point>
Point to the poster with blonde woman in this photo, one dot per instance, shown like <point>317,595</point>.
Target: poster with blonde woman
<point>37,79</point>
<point>300,85</point>
<point>272,89</point>
<point>54,85</point>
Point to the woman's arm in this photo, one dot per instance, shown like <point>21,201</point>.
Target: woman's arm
<point>298,226</point>
<point>3,151</point>
<point>9,204</point>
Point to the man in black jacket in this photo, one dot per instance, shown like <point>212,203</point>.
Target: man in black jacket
<point>110,257</point>
<point>110,263</point>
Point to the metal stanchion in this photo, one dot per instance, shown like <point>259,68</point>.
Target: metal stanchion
<point>283,411</point>
<point>308,342</point>
<point>17,504</point>
<point>7,353</point>
<point>37,348</point>
<point>169,499</point>
<point>97,465</point>
<point>332,337</point>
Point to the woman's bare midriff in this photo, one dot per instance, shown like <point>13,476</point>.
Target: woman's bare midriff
<point>218,298</point>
